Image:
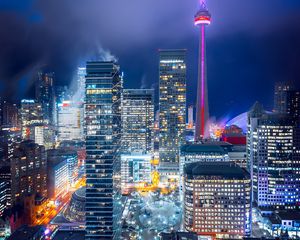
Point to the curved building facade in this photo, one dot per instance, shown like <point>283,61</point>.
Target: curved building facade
<point>75,212</point>
<point>217,200</point>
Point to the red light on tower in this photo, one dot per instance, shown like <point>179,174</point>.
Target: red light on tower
<point>202,19</point>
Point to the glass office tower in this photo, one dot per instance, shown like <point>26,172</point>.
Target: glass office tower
<point>103,136</point>
<point>273,155</point>
<point>137,120</point>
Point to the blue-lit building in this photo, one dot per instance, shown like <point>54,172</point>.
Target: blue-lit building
<point>71,158</point>
<point>103,140</point>
<point>57,169</point>
<point>137,120</point>
<point>273,152</point>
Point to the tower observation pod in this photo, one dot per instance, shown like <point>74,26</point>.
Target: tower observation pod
<point>202,19</point>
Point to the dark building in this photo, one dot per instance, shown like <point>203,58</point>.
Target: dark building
<point>8,137</point>
<point>1,111</point>
<point>69,235</point>
<point>28,233</point>
<point>44,94</point>
<point>28,170</point>
<point>103,141</point>
<point>178,236</point>
<point>10,115</point>
<point>287,100</point>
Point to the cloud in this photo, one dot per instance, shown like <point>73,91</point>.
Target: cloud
<point>61,35</point>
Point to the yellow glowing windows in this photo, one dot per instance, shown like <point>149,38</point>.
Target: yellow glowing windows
<point>98,91</point>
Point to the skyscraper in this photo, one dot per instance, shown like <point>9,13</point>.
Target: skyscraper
<point>287,100</point>
<point>217,200</point>
<point>280,97</point>
<point>202,19</point>
<point>273,153</point>
<point>103,140</point>
<point>44,94</point>
<point>137,120</point>
<point>172,106</point>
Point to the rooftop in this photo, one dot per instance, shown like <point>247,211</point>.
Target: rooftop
<point>202,148</point>
<point>223,169</point>
<point>69,235</point>
<point>292,215</point>
<point>27,233</point>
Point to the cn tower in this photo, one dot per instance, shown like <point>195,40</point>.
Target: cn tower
<point>202,19</point>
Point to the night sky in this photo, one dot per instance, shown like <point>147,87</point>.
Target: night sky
<point>251,44</point>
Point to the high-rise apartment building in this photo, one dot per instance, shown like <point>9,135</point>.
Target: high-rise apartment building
<point>137,120</point>
<point>172,106</point>
<point>273,151</point>
<point>217,200</point>
<point>31,118</point>
<point>103,140</point>
<point>28,171</point>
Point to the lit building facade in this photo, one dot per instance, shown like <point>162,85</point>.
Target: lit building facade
<point>71,158</point>
<point>273,153</point>
<point>29,171</point>
<point>32,120</point>
<point>57,169</point>
<point>5,179</point>
<point>172,107</point>
<point>81,72</point>
<point>103,141</point>
<point>135,169</point>
<point>4,194</point>
<point>217,200</point>
<point>70,125</point>
<point>137,120</point>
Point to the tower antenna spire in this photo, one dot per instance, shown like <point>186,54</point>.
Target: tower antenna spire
<point>202,19</point>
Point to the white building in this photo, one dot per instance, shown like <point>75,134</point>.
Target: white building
<point>69,121</point>
<point>135,169</point>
